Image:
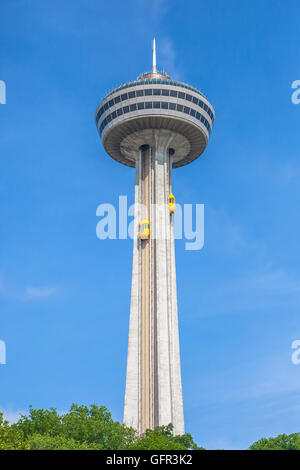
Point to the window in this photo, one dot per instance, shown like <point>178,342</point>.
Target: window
<point>155,105</point>
<point>165,92</point>
<point>131,94</point>
<point>105,106</point>
<point>124,97</point>
<point>110,103</point>
<point>139,92</point>
<point>117,99</point>
<point>181,95</point>
<point>195,100</point>
<point>156,91</point>
<point>188,97</point>
<point>148,92</point>
<point>99,114</point>
<point>173,93</point>
<point>174,83</point>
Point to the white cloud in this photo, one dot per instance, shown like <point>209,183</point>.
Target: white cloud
<point>166,57</point>
<point>38,292</point>
<point>12,415</point>
<point>156,8</point>
<point>11,291</point>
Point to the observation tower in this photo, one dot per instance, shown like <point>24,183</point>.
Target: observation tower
<point>154,124</point>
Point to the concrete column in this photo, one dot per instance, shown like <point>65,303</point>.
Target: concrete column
<point>153,386</point>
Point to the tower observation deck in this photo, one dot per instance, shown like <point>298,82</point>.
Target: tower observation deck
<point>154,124</point>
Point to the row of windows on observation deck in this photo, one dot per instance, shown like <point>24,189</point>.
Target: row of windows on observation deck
<point>154,105</point>
<point>155,92</point>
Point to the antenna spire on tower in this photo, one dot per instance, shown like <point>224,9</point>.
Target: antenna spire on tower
<point>154,57</point>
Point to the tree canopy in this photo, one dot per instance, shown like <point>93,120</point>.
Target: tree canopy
<point>281,442</point>
<point>92,428</point>
<point>84,428</point>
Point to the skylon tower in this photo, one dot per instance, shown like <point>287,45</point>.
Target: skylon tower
<point>154,124</point>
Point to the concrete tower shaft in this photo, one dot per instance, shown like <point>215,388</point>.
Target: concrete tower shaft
<point>153,385</point>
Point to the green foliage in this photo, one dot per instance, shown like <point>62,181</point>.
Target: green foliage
<point>39,422</point>
<point>11,439</point>
<point>90,427</point>
<point>162,438</point>
<point>46,442</point>
<point>96,427</point>
<point>281,442</point>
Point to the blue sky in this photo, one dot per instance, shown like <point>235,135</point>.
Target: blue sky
<point>65,295</point>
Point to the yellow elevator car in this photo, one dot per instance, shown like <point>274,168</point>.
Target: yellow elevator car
<point>144,229</point>
<point>171,203</point>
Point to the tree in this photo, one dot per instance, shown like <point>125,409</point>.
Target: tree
<point>95,426</point>
<point>92,428</point>
<point>11,439</point>
<point>46,442</point>
<point>39,421</point>
<point>281,442</point>
<point>162,438</point>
